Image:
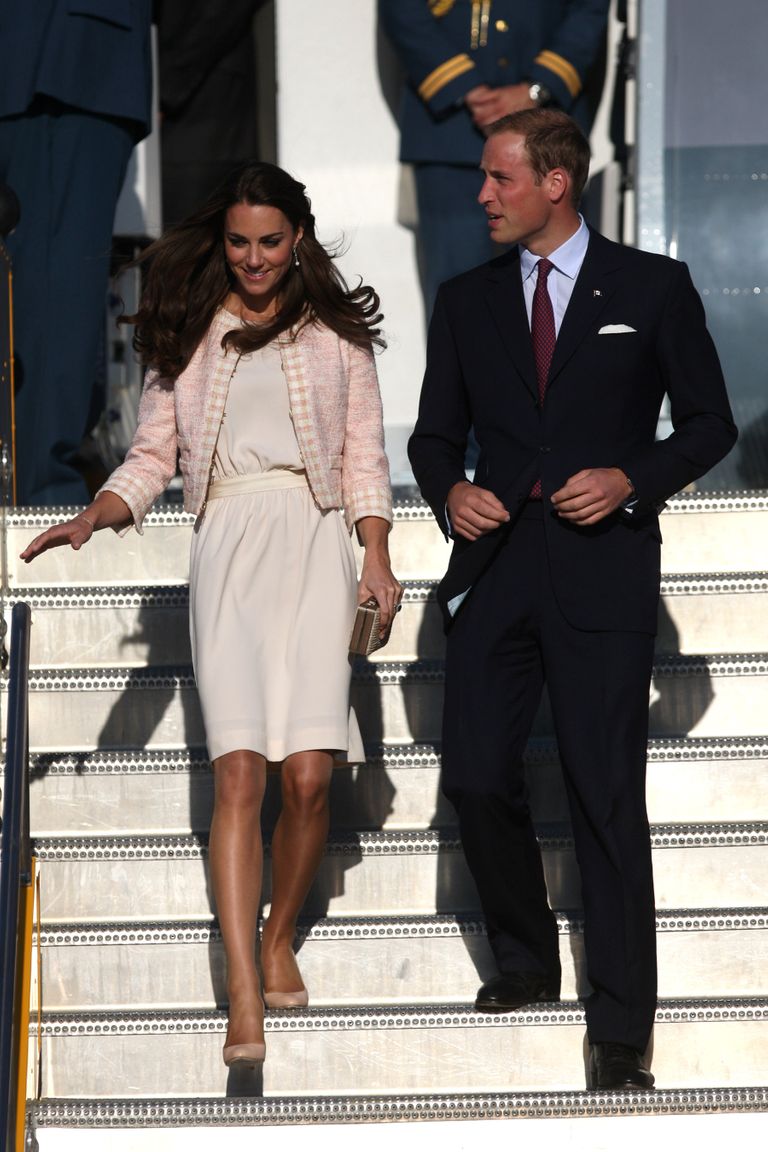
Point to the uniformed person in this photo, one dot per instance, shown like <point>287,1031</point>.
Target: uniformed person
<point>469,62</point>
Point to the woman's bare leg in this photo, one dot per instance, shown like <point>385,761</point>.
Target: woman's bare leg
<point>236,861</point>
<point>297,848</point>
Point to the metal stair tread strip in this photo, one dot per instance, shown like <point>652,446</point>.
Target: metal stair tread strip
<point>176,595</point>
<point>410,755</point>
<point>343,928</point>
<point>457,1015</point>
<point>427,841</point>
<point>417,671</point>
<point>274,1110</point>
<point>408,505</point>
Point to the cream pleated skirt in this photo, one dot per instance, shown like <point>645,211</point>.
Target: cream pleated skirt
<point>272,600</point>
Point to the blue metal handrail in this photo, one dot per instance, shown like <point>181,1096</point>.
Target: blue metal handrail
<point>15,865</point>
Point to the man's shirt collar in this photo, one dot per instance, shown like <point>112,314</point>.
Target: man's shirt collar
<point>567,259</point>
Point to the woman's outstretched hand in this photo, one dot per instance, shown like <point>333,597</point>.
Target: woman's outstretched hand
<point>108,510</point>
<point>74,532</point>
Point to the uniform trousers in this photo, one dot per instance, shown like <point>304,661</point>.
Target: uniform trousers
<point>67,168</point>
<point>453,228</point>
<point>508,640</point>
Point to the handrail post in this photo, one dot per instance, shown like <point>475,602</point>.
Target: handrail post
<point>15,861</point>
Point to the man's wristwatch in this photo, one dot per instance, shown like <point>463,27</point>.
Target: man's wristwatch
<point>540,94</point>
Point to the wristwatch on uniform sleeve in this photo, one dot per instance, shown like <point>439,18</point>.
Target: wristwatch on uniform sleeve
<point>540,94</point>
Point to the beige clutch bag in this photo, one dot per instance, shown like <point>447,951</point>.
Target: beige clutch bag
<point>366,636</point>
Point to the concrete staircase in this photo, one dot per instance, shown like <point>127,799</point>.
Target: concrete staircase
<point>392,947</point>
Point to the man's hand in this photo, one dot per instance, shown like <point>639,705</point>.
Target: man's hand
<point>488,104</point>
<point>591,495</point>
<point>474,511</point>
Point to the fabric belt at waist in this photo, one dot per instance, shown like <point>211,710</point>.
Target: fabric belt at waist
<point>256,482</point>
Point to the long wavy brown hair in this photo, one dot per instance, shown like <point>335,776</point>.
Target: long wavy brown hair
<point>187,279</point>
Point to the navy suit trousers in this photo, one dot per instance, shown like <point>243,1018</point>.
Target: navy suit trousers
<point>509,639</point>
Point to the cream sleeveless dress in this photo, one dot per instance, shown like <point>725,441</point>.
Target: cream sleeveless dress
<point>273,587</point>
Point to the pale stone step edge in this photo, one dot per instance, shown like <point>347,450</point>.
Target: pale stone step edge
<point>429,841</point>
<point>385,928</point>
<point>277,1110</point>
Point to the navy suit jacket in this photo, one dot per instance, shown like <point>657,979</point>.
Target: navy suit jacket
<point>94,55</point>
<point>634,330</point>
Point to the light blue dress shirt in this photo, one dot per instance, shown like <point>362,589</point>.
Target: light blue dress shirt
<point>567,259</point>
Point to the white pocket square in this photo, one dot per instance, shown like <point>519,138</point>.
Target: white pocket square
<point>612,329</point>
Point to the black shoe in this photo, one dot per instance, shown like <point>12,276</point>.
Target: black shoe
<point>511,990</point>
<point>614,1066</point>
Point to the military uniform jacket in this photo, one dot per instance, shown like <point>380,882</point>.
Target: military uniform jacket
<point>93,55</point>
<point>448,47</point>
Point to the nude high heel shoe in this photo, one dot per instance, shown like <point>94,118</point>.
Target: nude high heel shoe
<point>248,1055</point>
<point>244,1055</point>
<point>298,999</point>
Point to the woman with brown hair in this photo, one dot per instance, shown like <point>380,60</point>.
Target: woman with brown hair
<point>261,380</point>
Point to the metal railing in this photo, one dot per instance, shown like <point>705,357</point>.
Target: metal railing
<point>16,890</point>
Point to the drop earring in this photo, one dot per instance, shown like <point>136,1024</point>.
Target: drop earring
<point>296,261</point>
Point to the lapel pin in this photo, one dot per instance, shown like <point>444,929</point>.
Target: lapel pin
<point>596,292</point>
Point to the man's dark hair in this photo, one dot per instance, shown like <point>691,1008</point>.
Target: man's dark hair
<point>552,140</point>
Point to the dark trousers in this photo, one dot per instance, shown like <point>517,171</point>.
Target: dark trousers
<point>508,640</point>
<point>67,168</point>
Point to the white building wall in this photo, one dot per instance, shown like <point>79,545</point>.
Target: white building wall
<point>337,135</point>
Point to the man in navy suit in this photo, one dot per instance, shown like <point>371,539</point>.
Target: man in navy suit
<point>75,97</point>
<point>554,574</point>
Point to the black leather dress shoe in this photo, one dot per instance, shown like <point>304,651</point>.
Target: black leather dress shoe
<point>511,990</point>
<point>617,1066</point>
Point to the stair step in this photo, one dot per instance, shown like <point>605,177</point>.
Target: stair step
<point>708,614</point>
<point>161,555</point>
<point>71,708</point>
<point>375,873</point>
<point>702,532</point>
<point>634,1121</point>
<point>387,960</point>
<point>133,962</point>
<point>698,780</point>
<point>104,626</point>
<point>448,1048</point>
<point>711,533</point>
<point>715,532</point>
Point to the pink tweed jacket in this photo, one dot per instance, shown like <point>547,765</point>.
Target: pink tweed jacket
<point>335,405</point>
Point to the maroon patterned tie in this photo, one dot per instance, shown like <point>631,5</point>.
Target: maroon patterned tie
<point>544,336</point>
